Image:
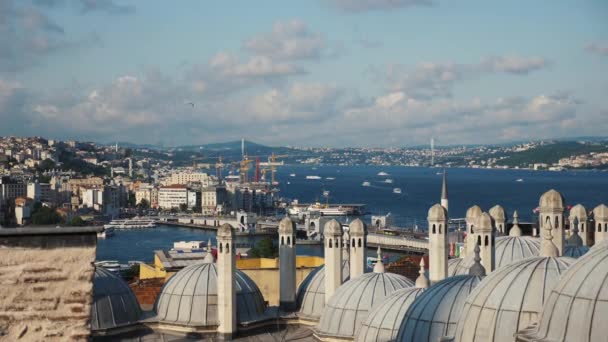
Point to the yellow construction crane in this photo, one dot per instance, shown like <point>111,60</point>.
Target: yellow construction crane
<point>244,170</point>
<point>272,166</point>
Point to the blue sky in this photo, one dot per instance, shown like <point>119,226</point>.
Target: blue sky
<point>322,72</point>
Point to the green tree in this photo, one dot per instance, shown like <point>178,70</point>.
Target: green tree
<point>46,216</point>
<point>76,221</point>
<point>143,204</point>
<point>46,164</point>
<point>264,249</point>
<point>183,207</point>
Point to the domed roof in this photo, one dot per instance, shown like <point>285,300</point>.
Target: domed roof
<point>474,211</point>
<point>552,199</point>
<point>578,211</point>
<point>287,226</point>
<point>574,251</point>
<point>508,250</point>
<point>434,313</point>
<point>114,304</point>
<point>357,228</point>
<point>190,297</point>
<point>498,213</point>
<point>350,305</point>
<point>484,223</point>
<point>311,293</point>
<point>576,308</point>
<point>382,323</point>
<point>333,228</point>
<point>437,213</point>
<point>225,231</point>
<point>600,213</point>
<point>509,299</point>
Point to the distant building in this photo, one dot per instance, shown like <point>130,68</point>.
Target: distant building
<point>23,210</point>
<point>212,197</point>
<point>172,196</point>
<point>184,178</point>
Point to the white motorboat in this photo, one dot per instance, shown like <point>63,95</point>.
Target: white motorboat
<point>382,173</point>
<point>396,190</point>
<point>330,178</point>
<point>519,180</point>
<point>388,181</point>
<point>366,183</point>
<point>313,177</point>
<point>292,175</point>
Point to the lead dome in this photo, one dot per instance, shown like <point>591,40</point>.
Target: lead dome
<point>114,304</point>
<point>311,293</point>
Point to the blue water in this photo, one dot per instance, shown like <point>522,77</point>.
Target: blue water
<point>421,189</point>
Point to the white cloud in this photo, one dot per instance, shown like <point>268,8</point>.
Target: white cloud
<point>598,48</point>
<point>376,5</point>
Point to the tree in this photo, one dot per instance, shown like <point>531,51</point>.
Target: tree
<point>46,216</point>
<point>264,249</point>
<point>46,164</point>
<point>76,221</point>
<point>183,207</point>
<point>143,204</point>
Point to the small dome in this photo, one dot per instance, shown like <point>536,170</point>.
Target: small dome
<point>437,213</point>
<point>311,293</point>
<point>552,199</point>
<point>357,228</point>
<point>474,212</point>
<point>600,213</point>
<point>574,251</point>
<point>509,299</point>
<point>189,297</point>
<point>225,231</point>
<point>578,211</point>
<point>114,304</point>
<point>350,305</point>
<point>287,226</point>
<point>508,250</point>
<point>498,213</point>
<point>576,308</point>
<point>382,323</point>
<point>332,228</point>
<point>434,314</point>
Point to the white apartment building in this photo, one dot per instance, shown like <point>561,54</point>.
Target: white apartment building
<point>40,192</point>
<point>92,198</point>
<point>211,198</point>
<point>172,196</point>
<point>144,193</point>
<point>184,178</point>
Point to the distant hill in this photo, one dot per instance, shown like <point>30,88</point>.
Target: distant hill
<point>552,152</point>
<point>231,150</point>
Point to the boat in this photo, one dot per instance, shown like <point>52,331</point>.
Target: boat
<point>519,180</point>
<point>105,232</point>
<point>112,265</point>
<point>396,190</point>
<point>439,173</point>
<point>326,210</point>
<point>388,181</point>
<point>288,182</point>
<point>313,177</point>
<point>366,183</point>
<point>292,175</point>
<point>135,222</point>
<point>382,173</point>
<point>325,193</point>
<point>330,178</point>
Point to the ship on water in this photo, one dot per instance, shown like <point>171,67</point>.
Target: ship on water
<point>134,223</point>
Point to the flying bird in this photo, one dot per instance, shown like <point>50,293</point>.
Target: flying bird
<point>190,104</point>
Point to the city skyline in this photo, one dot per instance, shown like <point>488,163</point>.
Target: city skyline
<point>333,72</point>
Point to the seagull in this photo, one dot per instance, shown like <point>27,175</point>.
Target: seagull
<point>190,104</point>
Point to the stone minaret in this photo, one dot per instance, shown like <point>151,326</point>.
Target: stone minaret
<point>438,243</point>
<point>473,214</point>
<point>226,283</point>
<point>578,217</point>
<point>333,257</point>
<point>600,215</point>
<point>500,219</point>
<point>287,264</point>
<point>551,214</point>
<point>485,240</point>
<point>358,244</point>
<point>444,192</point>
<point>515,229</point>
<point>422,282</point>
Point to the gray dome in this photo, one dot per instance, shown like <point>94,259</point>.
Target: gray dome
<point>190,297</point>
<point>114,304</point>
<point>509,299</point>
<point>576,308</point>
<point>382,323</point>
<point>350,305</point>
<point>311,293</point>
<point>508,250</point>
<point>574,251</point>
<point>434,314</point>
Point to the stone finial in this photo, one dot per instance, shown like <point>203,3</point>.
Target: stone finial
<point>209,245</point>
<point>477,269</point>
<point>548,248</point>
<point>515,230</point>
<point>379,266</point>
<point>422,282</point>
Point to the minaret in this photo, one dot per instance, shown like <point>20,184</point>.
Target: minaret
<point>473,214</point>
<point>551,214</point>
<point>444,192</point>
<point>485,241</point>
<point>226,283</point>
<point>422,282</point>
<point>287,264</point>
<point>500,219</point>
<point>333,257</point>
<point>438,243</point>
<point>358,244</point>
<point>515,229</point>
<point>477,268</point>
<point>578,213</point>
<point>600,215</point>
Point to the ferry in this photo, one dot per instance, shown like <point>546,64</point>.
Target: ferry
<point>131,223</point>
<point>388,181</point>
<point>292,175</point>
<point>326,210</point>
<point>396,190</point>
<point>382,173</point>
<point>313,177</point>
<point>366,183</point>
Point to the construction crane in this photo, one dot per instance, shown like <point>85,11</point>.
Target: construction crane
<point>272,166</point>
<point>244,169</point>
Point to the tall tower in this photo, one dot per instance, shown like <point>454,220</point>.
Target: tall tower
<point>485,241</point>
<point>333,257</point>
<point>600,215</point>
<point>131,167</point>
<point>473,213</point>
<point>226,284</point>
<point>444,192</point>
<point>500,219</point>
<point>578,217</point>
<point>287,264</point>
<point>243,148</point>
<point>551,214</point>
<point>358,244</point>
<point>432,152</point>
<point>438,243</point>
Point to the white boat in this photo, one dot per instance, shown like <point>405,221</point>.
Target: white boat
<point>313,177</point>
<point>105,233</point>
<point>328,210</point>
<point>330,178</point>
<point>112,266</point>
<point>396,190</point>
<point>366,183</point>
<point>292,175</point>
<point>382,173</point>
<point>325,193</point>
<point>388,181</point>
<point>131,223</point>
<point>519,180</point>
<point>288,182</point>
